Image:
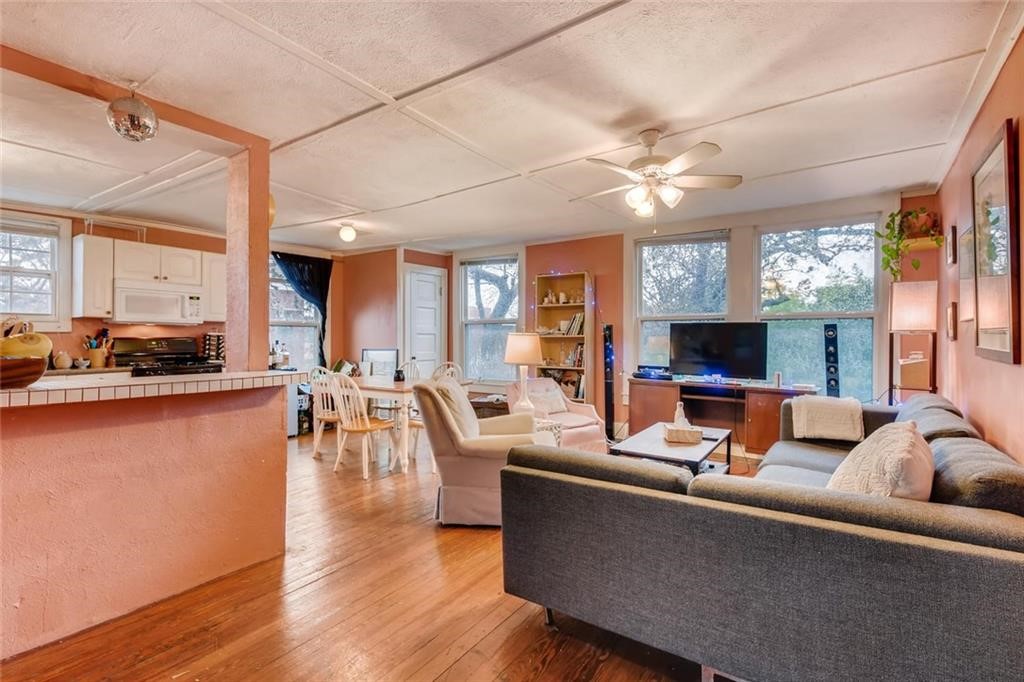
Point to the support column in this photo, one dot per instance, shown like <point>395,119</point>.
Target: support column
<point>248,248</point>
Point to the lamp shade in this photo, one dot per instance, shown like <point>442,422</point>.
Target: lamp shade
<point>523,349</point>
<point>913,307</point>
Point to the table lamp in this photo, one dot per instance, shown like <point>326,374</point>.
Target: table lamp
<point>523,349</point>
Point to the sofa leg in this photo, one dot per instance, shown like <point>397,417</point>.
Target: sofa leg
<point>549,617</point>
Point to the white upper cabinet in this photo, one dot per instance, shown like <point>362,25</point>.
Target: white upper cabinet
<point>150,262</point>
<point>92,267</point>
<point>136,260</point>
<point>181,266</point>
<point>215,285</point>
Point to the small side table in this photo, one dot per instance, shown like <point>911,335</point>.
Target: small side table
<point>555,428</point>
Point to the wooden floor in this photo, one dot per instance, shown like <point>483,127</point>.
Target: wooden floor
<point>370,588</point>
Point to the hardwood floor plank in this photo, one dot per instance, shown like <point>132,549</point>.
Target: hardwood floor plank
<point>369,588</point>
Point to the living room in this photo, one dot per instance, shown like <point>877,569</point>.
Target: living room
<point>432,328</point>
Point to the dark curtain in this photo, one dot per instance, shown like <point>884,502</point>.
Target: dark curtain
<point>311,279</point>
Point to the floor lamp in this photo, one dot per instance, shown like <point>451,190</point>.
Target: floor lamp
<point>523,349</point>
<point>913,309</point>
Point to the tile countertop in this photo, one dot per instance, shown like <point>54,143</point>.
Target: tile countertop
<point>53,390</point>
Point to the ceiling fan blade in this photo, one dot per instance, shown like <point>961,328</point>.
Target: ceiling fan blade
<point>632,175</point>
<point>702,151</point>
<point>706,181</point>
<point>603,192</point>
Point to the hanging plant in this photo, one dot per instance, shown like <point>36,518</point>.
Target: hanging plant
<point>901,228</point>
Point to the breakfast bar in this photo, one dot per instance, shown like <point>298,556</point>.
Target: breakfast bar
<point>119,491</point>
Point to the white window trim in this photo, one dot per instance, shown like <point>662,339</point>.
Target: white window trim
<point>459,341</point>
<point>879,319</point>
<point>60,321</point>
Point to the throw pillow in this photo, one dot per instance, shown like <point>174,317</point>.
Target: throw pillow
<point>894,461</point>
<point>548,400</point>
<point>457,402</point>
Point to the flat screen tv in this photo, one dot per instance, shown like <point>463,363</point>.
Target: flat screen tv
<point>737,350</point>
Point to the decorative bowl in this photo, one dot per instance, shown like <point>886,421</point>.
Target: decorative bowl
<point>20,372</point>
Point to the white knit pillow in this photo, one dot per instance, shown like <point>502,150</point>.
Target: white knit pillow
<point>894,461</point>
<point>548,400</point>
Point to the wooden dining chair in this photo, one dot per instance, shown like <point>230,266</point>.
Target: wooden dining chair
<point>352,418</point>
<point>323,407</point>
<point>447,369</point>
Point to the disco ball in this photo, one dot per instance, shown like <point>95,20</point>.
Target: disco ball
<point>132,119</point>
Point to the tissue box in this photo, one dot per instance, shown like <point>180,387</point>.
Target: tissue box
<point>683,434</point>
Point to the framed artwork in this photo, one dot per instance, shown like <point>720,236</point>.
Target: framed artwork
<point>951,321</point>
<point>951,246</point>
<point>997,250</point>
<point>966,249</point>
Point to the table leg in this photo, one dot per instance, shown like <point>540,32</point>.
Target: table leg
<point>728,450</point>
<point>403,438</point>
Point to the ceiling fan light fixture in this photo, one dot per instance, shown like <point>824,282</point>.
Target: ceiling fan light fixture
<point>646,209</point>
<point>670,195</point>
<point>347,233</point>
<point>637,196</point>
<point>132,119</point>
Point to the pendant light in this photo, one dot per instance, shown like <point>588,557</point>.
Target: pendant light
<point>131,118</point>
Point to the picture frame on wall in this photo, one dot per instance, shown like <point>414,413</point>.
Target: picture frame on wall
<point>951,244</point>
<point>966,250</point>
<point>997,249</point>
<point>952,321</point>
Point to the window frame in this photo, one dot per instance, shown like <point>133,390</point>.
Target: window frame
<point>877,315</point>
<point>691,237</point>
<point>486,383</point>
<point>312,324</point>
<point>51,226</point>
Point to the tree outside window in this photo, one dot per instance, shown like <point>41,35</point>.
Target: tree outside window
<point>490,313</point>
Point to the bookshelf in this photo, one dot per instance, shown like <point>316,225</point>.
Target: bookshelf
<point>566,331</point>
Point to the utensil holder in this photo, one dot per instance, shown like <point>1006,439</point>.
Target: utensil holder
<point>97,357</point>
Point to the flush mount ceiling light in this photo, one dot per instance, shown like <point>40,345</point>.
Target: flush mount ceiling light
<point>347,233</point>
<point>654,175</point>
<point>132,119</point>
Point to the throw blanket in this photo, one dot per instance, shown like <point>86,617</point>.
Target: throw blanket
<point>816,416</point>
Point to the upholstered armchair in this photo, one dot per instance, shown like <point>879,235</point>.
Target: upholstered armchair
<point>470,452</point>
<point>582,428</point>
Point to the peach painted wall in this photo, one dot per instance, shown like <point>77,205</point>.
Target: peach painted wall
<point>438,261</point>
<point>370,312</point>
<point>990,393</point>
<point>602,258</point>
<point>110,506</point>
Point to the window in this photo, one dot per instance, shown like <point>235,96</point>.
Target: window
<point>680,280</point>
<point>490,310</point>
<point>810,277</point>
<point>35,269</point>
<point>293,321</point>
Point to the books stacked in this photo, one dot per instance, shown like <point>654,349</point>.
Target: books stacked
<point>575,358</point>
<point>575,327</point>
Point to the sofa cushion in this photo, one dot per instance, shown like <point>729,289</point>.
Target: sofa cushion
<point>624,470</point>
<point>457,402</point>
<point>934,423</point>
<point>925,401</point>
<point>571,420</point>
<point>547,399</point>
<point>781,473</point>
<point>894,461</point>
<point>804,455</point>
<point>972,473</point>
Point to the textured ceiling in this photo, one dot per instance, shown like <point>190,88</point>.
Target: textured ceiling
<point>462,124</point>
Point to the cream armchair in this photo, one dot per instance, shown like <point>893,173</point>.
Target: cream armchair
<point>582,427</point>
<point>470,452</point>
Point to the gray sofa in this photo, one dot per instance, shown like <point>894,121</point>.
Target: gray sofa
<point>775,577</point>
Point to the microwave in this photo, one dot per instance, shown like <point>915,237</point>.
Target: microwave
<point>137,302</point>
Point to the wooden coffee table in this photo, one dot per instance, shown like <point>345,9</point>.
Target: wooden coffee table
<point>651,444</point>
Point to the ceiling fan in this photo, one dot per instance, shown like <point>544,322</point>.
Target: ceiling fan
<point>658,175</point>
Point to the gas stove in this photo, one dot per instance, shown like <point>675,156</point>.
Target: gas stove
<point>162,356</point>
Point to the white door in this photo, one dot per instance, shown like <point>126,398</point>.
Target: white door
<point>215,287</point>
<point>181,266</point>
<point>136,260</point>
<point>425,318</point>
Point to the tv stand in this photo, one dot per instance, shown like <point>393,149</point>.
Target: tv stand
<point>750,409</point>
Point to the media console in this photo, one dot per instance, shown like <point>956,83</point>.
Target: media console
<point>750,409</point>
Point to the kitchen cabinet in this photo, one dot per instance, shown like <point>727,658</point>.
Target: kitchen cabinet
<point>147,262</point>
<point>215,287</point>
<point>92,268</point>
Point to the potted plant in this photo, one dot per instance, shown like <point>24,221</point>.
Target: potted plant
<point>901,229</point>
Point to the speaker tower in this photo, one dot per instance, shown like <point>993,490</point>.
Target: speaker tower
<point>832,360</point>
<point>609,382</point>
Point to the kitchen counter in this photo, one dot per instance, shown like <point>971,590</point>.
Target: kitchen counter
<point>120,385</point>
<point>88,370</point>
